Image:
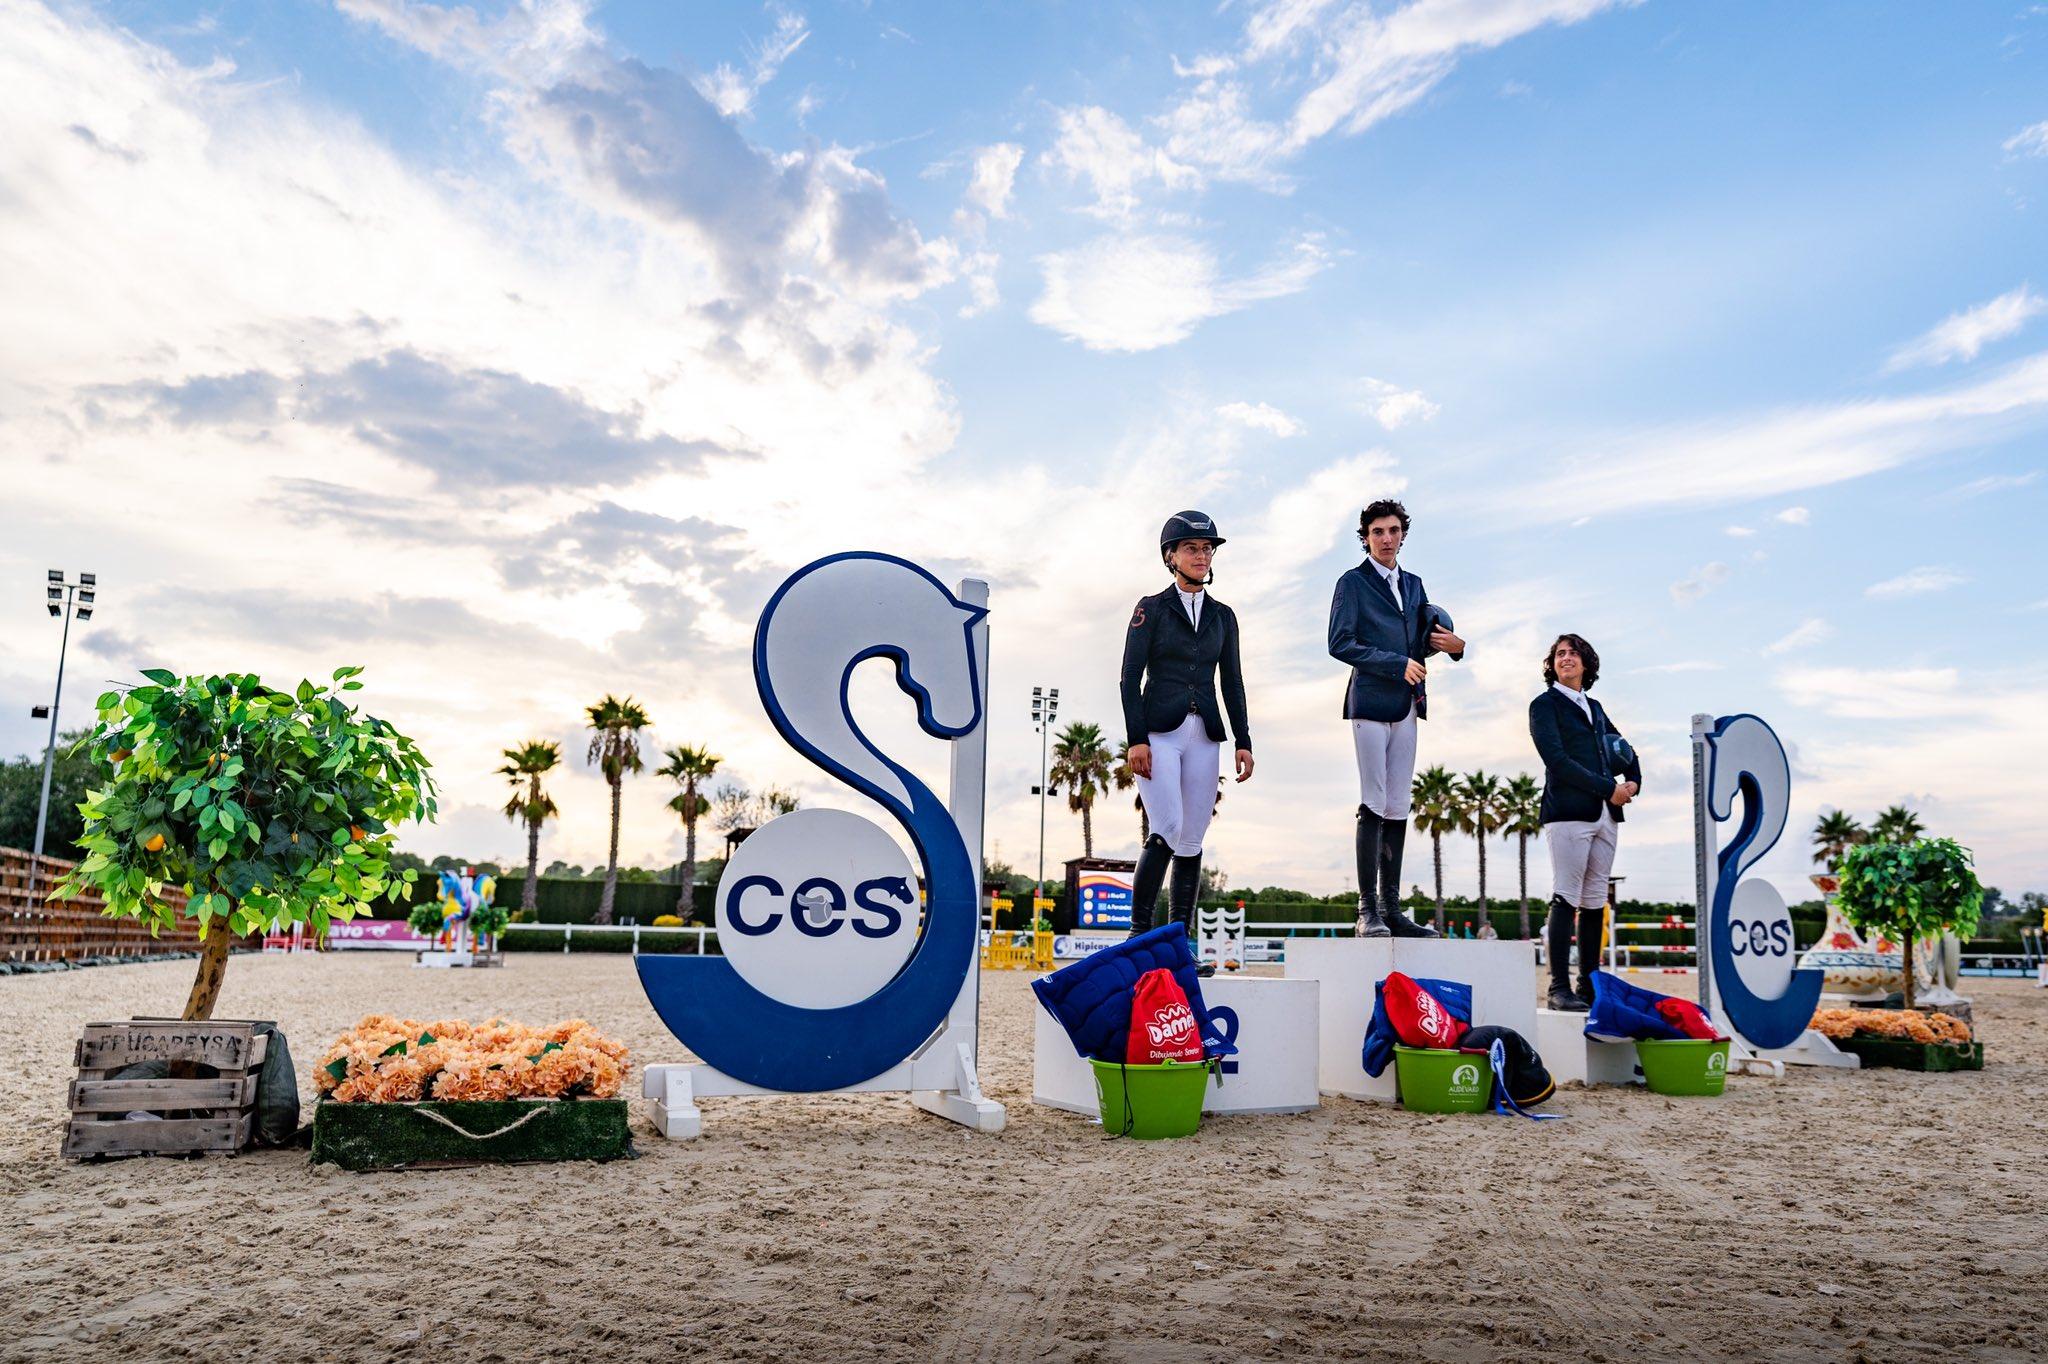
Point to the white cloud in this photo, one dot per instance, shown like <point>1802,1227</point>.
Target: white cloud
<point>1372,64</point>
<point>1961,335</point>
<point>1393,406</point>
<point>1812,630</point>
<point>1132,293</point>
<point>1685,665</point>
<point>1916,582</point>
<point>1794,516</point>
<point>1996,483</point>
<point>2029,141</point>
<point>995,174</point>
<point>1876,694</point>
<point>1739,532</point>
<point>732,92</point>
<point>1783,452</point>
<point>1261,417</point>
<point>1095,145</point>
<point>1706,579</point>
<point>1215,128</point>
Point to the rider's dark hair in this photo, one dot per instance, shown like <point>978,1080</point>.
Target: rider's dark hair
<point>1588,655</point>
<point>1379,510</point>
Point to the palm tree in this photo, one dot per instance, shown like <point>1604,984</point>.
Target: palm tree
<point>615,748</point>
<point>1524,809</point>
<point>1897,825</point>
<point>1481,813</point>
<point>1081,762</point>
<point>689,767</point>
<point>523,767</point>
<point>1835,833</point>
<point>1124,779</point>
<point>1435,798</point>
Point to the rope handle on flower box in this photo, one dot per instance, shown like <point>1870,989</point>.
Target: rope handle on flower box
<point>455,1127</point>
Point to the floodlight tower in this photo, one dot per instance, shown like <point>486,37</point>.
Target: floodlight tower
<point>1044,707</point>
<point>70,601</point>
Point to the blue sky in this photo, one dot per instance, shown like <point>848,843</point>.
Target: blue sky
<point>520,350</point>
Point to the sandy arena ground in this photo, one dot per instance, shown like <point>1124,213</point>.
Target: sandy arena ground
<point>1828,1216</point>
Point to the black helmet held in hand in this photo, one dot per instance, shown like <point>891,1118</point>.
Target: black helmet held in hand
<point>1188,525</point>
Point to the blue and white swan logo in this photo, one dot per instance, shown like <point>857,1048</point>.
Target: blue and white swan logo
<point>828,978</point>
<point>1749,929</point>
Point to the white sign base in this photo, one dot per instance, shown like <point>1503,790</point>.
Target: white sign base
<point>442,959</point>
<point>941,1080</point>
<point>1275,1026</point>
<point>1502,976</point>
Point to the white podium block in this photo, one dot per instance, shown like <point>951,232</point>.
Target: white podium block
<point>1274,1022</point>
<point>1571,1057</point>
<point>1502,976</point>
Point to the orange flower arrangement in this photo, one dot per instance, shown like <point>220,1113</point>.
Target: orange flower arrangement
<point>1907,1025</point>
<point>403,1060</point>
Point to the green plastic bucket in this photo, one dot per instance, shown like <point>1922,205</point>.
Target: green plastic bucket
<point>1437,1081</point>
<point>1151,1102</point>
<point>1684,1066</point>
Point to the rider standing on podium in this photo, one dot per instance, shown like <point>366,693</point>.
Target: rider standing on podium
<point>1383,624</point>
<point>1174,728</point>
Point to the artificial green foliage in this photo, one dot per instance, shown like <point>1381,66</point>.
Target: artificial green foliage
<point>1910,891</point>
<point>488,921</point>
<point>426,918</point>
<point>268,808</point>
<point>390,1136</point>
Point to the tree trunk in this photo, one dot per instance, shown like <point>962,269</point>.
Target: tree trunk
<point>1482,876</point>
<point>529,894</point>
<point>611,867</point>
<point>1087,829</point>
<point>686,903</point>
<point>1906,949</point>
<point>213,968</point>
<point>1524,859</point>
<point>1436,847</point>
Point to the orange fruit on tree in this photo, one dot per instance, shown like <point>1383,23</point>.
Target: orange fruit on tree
<point>155,844</point>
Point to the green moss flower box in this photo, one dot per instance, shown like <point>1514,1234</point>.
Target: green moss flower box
<point>1903,1054</point>
<point>430,1134</point>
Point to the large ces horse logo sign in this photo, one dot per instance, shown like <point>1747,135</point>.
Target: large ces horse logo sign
<point>1747,929</point>
<point>834,968</point>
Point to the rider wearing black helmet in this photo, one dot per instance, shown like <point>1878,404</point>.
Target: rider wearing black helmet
<point>1172,723</point>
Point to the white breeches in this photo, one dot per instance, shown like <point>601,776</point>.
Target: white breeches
<point>1386,764</point>
<point>1581,856</point>
<point>1180,795</point>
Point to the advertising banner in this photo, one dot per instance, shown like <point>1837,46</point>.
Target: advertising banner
<point>394,935</point>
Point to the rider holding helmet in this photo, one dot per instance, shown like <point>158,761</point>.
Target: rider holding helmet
<point>1172,723</point>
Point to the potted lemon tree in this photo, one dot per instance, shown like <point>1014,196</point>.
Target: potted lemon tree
<point>263,808</point>
<point>1910,892</point>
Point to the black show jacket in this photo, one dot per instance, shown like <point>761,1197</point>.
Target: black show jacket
<point>1577,775</point>
<point>1377,639</point>
<point>1169,670</point>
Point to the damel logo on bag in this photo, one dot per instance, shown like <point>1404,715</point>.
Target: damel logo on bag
<point>1171,1025</point>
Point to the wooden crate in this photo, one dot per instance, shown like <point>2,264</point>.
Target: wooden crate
<point>215,1115</point>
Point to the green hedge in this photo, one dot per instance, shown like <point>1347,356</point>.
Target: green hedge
<point>572,900</point>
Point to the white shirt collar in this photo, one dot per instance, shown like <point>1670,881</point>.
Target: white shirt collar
<point>1190,602</point>
<point>1578,698</point>
<point>1390,574</point>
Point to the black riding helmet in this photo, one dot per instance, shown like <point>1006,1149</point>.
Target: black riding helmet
<point>1187,525</point>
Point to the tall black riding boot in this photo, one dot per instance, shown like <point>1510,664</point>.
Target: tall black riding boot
<point>1182,894</point>
<point>1557,935</point>
<point>1393,836</point>
<point>1370,831</point>
<point>1592,927</point>
<point>1145,883</point>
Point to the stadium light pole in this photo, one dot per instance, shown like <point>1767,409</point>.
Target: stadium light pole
<point>67,600</point>
<point>1044,707</point>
